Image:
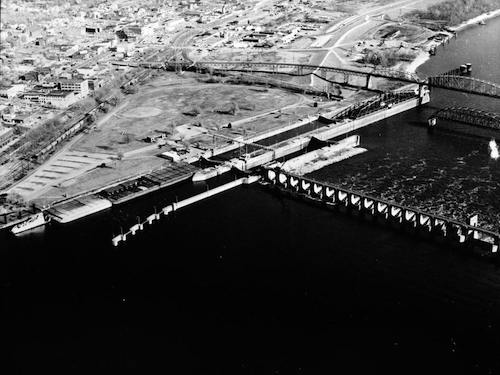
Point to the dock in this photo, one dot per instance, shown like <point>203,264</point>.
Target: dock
<point>78,208</point>
<point>148,183</point>
<point>120,192</point>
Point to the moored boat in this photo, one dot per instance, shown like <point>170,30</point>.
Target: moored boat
<point>33,221</point>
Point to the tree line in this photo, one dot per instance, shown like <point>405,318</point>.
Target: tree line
<point>455,12</point>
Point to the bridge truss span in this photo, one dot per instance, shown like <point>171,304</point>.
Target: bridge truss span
<point>305,69</point>
<point>370,105</point>
<point>466,84</point>
<point>469,116</point>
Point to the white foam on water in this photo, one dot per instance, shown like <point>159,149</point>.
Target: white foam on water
<point>494,153</point>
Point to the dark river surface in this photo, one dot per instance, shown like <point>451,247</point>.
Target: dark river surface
<point>251,282</point>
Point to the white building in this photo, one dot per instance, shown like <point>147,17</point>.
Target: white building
<point>11,90</point>
<point>59,98</point>
<point>55,98</point>
<point>79,86</point>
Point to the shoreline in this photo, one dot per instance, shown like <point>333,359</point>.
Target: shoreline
<point>423,55</point>
<point>473,21</point>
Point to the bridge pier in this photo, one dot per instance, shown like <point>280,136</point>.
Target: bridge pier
<point>410,221</point>
<point>439,227</point>
<point>396,214</point>
<point>355,201</point>
<point>369,206</point>
<point>473,221</point>
<point>382,210</point>
<point>330,194</point>
<point>271,176</point>
<point>306,187</point>
<point>318,190</point>
<point>342,198</point>
<point>283,179</point>
<point>425,222</point>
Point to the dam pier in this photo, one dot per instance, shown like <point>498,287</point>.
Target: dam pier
<point>466,235</point>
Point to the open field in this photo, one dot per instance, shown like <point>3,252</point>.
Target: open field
<point>164,108</point>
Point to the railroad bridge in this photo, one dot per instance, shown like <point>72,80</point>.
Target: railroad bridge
<point>465,84</point>
<point>360,78</point>
<point>353,77</point>
<point>468,116</point>
<point>348,76</point>
<point>331,195</point>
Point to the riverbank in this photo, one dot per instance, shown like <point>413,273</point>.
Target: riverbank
<point>474,21</point>
<point>424,55</point>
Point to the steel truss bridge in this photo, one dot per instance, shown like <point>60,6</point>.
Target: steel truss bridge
<point>353,77</point>
<point>371,105</point>
<point>469,116</point>
<point>344,76</point>
<point>305,69</point>
<point>465,84</point>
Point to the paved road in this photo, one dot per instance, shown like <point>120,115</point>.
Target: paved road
<point>350,29</point>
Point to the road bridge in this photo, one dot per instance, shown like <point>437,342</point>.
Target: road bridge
<point>412,218</point>
<point>468,116</point>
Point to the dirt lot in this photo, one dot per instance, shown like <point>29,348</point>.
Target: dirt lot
<point>159,107</point>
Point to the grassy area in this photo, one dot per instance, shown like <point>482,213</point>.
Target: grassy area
<point>163,108</point>
<point>455,12</point>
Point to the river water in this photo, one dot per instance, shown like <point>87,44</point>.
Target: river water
<point>251,282</point>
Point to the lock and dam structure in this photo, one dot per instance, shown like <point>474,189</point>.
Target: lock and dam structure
<point>416,92</point>
<point>466,235</point>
